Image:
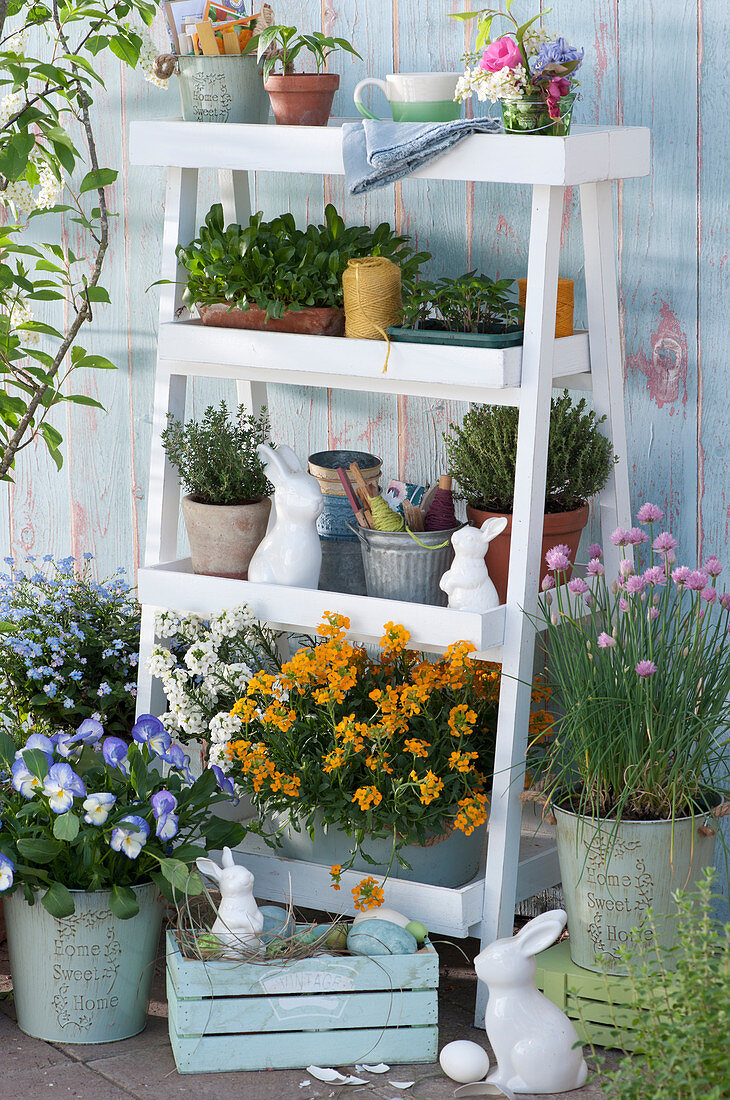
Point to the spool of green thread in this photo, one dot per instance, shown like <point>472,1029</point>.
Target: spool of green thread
<point>384,518</point>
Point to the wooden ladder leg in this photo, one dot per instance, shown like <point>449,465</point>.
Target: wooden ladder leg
<point>604,335</point>
<point>505,818</point>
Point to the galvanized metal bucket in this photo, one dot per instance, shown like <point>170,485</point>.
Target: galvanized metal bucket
<point>228,88</point>
<point>342,569</point>
<point>612,875</point>
<point>87,978</point>
<point>402,566</point>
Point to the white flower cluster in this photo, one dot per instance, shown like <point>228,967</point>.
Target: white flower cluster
<point>22,314</point>
<point>147,54</point>
<point>10,105</point>
<point>505,84</point>
<point>230,622</point>
<point>177,624</point>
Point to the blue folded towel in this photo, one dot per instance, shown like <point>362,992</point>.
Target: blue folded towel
<point>379,152</point>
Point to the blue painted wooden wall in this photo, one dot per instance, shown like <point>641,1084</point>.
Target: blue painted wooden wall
<point>659,65</point>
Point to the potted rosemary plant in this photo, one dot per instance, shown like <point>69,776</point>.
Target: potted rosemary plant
<point>226,509</point>
<point>300,99</point>
<point>469,311</point>
<point>482,452</point>
<point>639,667</point>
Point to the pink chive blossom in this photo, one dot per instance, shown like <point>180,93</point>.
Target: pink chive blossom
<point>548,598</point>
<point>606,641</point>
<point>709,594</point>
<point>620,537</point>
<point>547,582</point>
<point>623,604</point>
<point>594,551</point>
<point>595,568</point>
<point>725,601</point>
<point>680,575</point>
<point>671,557</point>
<point>626,567</point>
<point>649,513</point>
<point>634,585</point>
<point>588,598</point>
<point>652,613</point>
<point>637,536</point>
<point>557,558</point>
<point>697,580</point>
<point>713,566</point>
<point>664,542</point>
<point>655,575</point>
<point>645,669</point>
<point>502,52</point>
<point>578,586</point>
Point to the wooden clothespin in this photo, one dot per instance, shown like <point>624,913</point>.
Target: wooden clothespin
<point>363,491</point>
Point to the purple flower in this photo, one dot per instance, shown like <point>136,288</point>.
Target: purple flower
<point>713,566</point>
<point>177,759</point>
<point>558,558</point>
<point>649,513</point>
<point>664,542</point>
<point>594,551</point>
<point>606,641</point>
<point>89,732</point>
<point>547,582</point>
<point>620,537</point>
<point>709,594</point>
<point>634,585</point>
<point>148,730</point>
<point>554,56</point>
<point>725,601</point>
<point>644,669</point>
<point>114,751</point>
<point>163,805</point>
<point>6,873</point>
<point>23,779</point>
<point>623,604</point>
<point>697,580</point>
<point>588,598</point>
<point>595,567</point>
<point>626,567</point>
<point>224,783</point>
<point>652,613</point>
<point>655,575</point>
<point>61,785</point>
<point>37,741</point>
<point>637,536</point>
<point>130,836</point>
<point>578,586</point>
<point>680,575</point>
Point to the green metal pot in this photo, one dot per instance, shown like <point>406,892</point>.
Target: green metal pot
<point>510,339</point>
<point>228,88</point>
<point>87,978</point>
<point>613,873</point>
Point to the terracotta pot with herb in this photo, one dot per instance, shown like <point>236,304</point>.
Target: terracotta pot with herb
<point>226,510</point>
<point>482,452</point>
<point>299,99</point>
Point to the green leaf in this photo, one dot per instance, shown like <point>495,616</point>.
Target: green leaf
<point>125,49</point>
<point>66,826</point>
<point>82,399</point>
<point>36,762</point>
<point>58,901</point>
<point>220,833</point>
<point>180,877</point>
<point>123,902</point>
<point>52,439</point>
<point>97,294</point>
<point>7,745</point>
<point>38,849</point>
<point>95,362</point>
<point>14,156</point>
<point>94,180</point>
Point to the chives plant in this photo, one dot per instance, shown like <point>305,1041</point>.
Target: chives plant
<point>640,672</point>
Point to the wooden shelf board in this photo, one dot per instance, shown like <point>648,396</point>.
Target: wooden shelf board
<point>588,154</point>
<point>174,585</point>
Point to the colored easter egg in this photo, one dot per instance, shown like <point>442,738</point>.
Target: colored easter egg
<point>380,937</point>
<point>419,930</point>
<point>278,924</point>
<point>382,913</point>
<point>464,1061</point>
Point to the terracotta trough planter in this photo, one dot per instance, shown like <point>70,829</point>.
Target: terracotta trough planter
<point>302,99</point>
<point>223,537</point>
<point>315,321</point>
<point>558,527</point>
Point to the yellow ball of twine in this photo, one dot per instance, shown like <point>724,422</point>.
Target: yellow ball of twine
<point>372,292</point>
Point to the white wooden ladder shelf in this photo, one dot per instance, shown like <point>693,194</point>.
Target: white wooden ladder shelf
<point>518,863</point>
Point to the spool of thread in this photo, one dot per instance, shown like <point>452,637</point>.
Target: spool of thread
<point>384,518</point>
<point>441,515</point>
<point>564,307</point>
<point>371,288</point>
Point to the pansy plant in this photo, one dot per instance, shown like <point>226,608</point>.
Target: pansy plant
<point>84,811</point>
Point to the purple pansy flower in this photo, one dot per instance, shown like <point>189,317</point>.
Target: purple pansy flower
<point>62,785</point>
<point>6,873</point>
<point>148,730</point>
<point>114,751</point>
<point>130,836</point>
<point>224,783</point>
<point>163,806</point>
<point>23,779</point>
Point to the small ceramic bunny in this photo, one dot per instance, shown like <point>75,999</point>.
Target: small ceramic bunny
<point>532,1039</point>
<point>239,921</point>
<point>291,552</point>
<point>467,582</point>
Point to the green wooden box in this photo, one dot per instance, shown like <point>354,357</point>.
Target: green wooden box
<point>323,1011</point>
<point>602,1007</point>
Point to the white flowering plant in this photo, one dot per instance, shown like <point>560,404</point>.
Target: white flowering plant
<point>205,666</point>
<point>50,174</point>
<point>85,811</point>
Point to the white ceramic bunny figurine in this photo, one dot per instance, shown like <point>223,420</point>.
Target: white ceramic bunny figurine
<point>467,583</point>
<point>291,552</point>
<point>532,1039</point>
<point>239,921</point>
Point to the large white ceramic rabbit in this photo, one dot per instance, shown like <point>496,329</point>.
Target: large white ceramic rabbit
<point>291,552</point>
<point>239,921</point>
<point>467,583</point>
<point>532,1039</point>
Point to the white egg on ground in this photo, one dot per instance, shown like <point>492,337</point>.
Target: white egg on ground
<point>464,1061</point>
<point>383,914</point>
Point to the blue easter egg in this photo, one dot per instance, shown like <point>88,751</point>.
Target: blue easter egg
<point>380,937</point>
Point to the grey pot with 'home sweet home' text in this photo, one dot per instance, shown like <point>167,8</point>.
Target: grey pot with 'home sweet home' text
<point>223,537</point>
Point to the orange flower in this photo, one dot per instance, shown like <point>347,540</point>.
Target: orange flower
<point>472,813</point>
<point>461,719</point>
<point>367,797</point>
<point>416,747</point>
<point>430,786</point>
<point>336,874</point>
<point>367,894</point>
<point>395,639</point>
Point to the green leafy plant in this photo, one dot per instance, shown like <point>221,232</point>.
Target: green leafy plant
<point>282,45</point>
<point>482,452</point>
<point>217,458</point>
<point>277,267</point>
<point>50,171</point>
<point>469,303</point>
<point>684,994</point>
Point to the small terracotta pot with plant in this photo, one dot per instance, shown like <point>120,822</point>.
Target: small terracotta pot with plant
<point>299,99</point>
<point>226,510</point>
<point>482,453</point>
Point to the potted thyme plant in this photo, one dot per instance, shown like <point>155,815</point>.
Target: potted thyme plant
<point>226,509</point>
<point>92,833</point>
<point>299,99</point>
<point>482,452</point>
<point>469,311</point>
<point>639,667</point>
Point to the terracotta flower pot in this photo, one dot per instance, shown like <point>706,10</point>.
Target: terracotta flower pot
<point>313,321</point>
<point>302,99</point>
<point>558,527</point>
<point>224,537</point>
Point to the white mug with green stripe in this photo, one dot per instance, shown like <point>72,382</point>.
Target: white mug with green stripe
<point>415,97</point>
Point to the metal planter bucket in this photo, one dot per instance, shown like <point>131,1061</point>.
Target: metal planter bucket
<point>87,978</point>
<point>222,89</point>
<point>398,567</point>
<point>612,876</point>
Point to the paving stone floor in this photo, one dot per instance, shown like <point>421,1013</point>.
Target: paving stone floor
<point>144,1066</point>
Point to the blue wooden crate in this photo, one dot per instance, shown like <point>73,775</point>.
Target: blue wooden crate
<point>325,1010</point>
